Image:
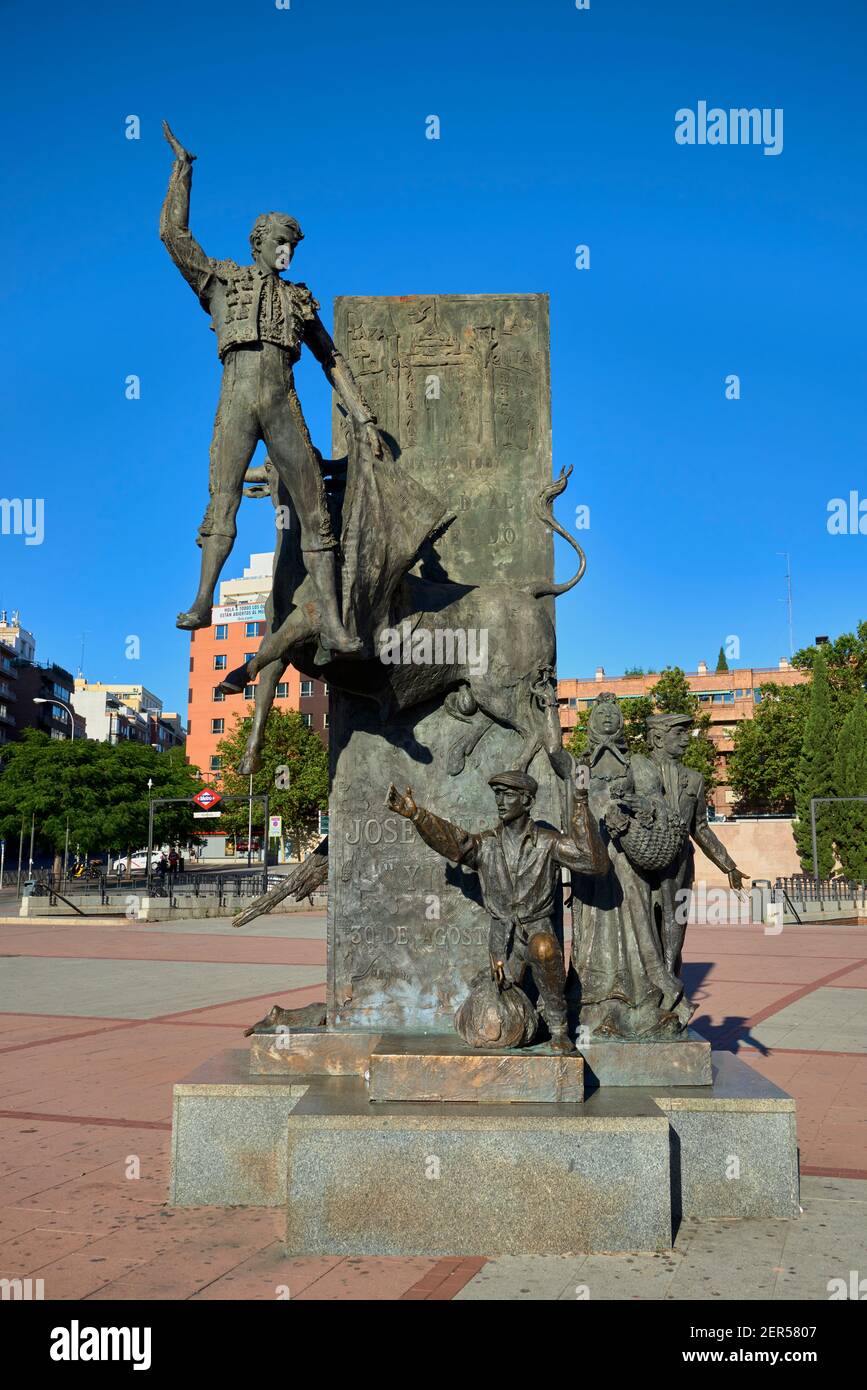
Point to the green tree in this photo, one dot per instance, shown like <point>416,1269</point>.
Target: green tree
<point>294,774</point>
<point>636,709</point>
<point>846,666</point>
<point>633,672</point>
<point>763,765</point>
<point>99,789</point>
<point>672,695</point>
<point>577,740</point>
<point>816,773</point>
<point>721,663</point>
<point>850,779</point>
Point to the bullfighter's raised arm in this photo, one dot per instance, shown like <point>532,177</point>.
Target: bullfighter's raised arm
<point>196,267</point>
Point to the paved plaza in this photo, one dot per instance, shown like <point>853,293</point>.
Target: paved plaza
<point>98,1021</point>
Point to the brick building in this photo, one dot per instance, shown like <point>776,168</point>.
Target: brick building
<point>729,696</point>
<point>235,632</point>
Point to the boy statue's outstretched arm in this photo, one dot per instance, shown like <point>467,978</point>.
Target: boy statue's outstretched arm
<point>448,840</point>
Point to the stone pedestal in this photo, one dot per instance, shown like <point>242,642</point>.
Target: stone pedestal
<point>615,1173</point>
<point>229,1135</point>
<point>466,1179</point>
<point>734,1146</point>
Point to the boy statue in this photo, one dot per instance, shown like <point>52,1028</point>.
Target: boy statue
<point>518,863</point>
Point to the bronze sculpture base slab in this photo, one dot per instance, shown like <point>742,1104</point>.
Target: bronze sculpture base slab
<point>311,1052</point>
<point>681,1062</point>
<point>434,1068</point>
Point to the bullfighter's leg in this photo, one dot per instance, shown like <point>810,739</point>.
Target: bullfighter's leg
<point>292,453</point>
<point>236,434</point>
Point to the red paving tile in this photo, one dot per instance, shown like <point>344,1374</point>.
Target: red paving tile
<point>74,1113</point>
<point>135,943</point>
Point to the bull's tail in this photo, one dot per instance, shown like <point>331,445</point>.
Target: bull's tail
<point>542,507</point>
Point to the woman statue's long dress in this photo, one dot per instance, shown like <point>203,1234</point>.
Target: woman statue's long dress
<point>625,989</point>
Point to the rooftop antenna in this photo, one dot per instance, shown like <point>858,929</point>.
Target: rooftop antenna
<point>81,662</point>
<point>788,599</point>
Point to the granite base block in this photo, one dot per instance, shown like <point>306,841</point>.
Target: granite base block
<point>446,1069</point>
<point>434,1179</point>
<point>229,1136</point>
<point>685,1062</point>
<point>734,1148</point>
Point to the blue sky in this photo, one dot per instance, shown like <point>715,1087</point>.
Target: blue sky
<point>557,128</point>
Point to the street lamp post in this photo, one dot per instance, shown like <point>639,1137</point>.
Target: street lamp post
<point>43,700</point>
<point>150,831</point>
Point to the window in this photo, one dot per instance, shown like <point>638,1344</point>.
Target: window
<point>326,721</point>
<point>192,663</point>
<point>757,696</point>
<point>218,694</point>
<point>306,687</point>
<point>189,725</point>
<point>248,656</point>
<point>217,726</point>
<point>282,690</point>
<point>573,702</point>
<point>220,661</point>
<point>221,632</point>
<point>249,692</point>
<point>190,696</point>
<point>216,762</point>
<point>307,721</point>
<point>254,629</point>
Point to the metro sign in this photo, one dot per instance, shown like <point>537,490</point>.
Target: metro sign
<point>207,798</point>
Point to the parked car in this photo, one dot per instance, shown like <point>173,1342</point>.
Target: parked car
<point>139,860</point>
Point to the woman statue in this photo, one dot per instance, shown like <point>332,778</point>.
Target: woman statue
<point>626,990</point>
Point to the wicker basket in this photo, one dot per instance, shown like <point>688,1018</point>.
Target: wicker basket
<point>653,839</point>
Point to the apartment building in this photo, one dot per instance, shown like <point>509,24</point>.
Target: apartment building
<point>237,626</point>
